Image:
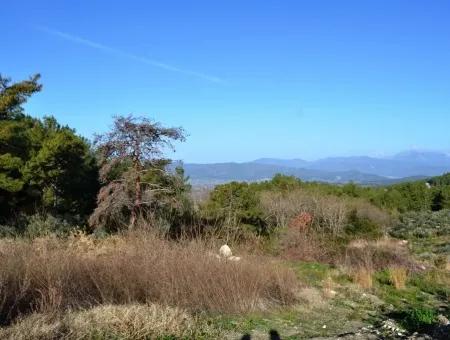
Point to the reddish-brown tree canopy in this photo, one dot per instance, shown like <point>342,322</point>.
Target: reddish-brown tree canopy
<point>138,141</point>
<point>136,138</point>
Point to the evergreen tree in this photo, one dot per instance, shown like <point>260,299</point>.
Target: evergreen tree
<point>130,151</point>
<point>42,165</point>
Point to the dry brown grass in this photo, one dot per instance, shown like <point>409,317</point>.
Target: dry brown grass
<point>106,322</point>
<point>379,255</point>
<point>439,277</point>
<point>398,276</point>
<point>363,257</point>
<point>328,287</point>
<point>363,277</point>
<point>50,274</point>
<point>305,246</point>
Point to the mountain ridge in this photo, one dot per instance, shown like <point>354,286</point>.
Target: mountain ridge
<point>359,169</point>
<point>403,164</point>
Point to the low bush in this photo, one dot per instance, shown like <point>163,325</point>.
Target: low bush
<point>306,246</point>
<point>359,226</point>
<point>419,319</point>
<point>379,255</point>
<point>423,224</point>
<point>235,204</point>
<point>40,224</point>
<point>7,231</point>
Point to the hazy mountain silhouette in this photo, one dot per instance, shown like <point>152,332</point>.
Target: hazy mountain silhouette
<point>404,164</point>
<point>359,169</point>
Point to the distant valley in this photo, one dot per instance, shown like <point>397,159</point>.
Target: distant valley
<point>365,170</point>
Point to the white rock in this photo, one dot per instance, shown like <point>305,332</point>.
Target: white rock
<point>225,251</point>
<point>234,258</point>
<point>443,320</point>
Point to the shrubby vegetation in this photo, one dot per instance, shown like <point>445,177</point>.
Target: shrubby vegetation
<point>422,225</point>
<point>46,168</point>
<point>93,233</point>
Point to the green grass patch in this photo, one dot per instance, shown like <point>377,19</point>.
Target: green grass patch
<point>312,273</point>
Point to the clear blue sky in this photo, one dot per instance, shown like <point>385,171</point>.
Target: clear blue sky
<point>246,79</point>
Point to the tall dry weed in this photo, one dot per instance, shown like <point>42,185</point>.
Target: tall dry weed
<point>398,276</point>
<point>50,274</point>
<point>379,255</point>
<point>363,277</point>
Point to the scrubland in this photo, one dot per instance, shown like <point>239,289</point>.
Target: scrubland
<point>106,239</point>
<point>349,269</point>
<point>51,275</point>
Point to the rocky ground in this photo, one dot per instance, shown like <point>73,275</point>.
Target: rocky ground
<point>387,329</point>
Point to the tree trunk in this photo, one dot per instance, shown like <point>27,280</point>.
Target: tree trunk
<point>137,197</point>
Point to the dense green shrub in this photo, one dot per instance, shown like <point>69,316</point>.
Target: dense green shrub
<point>234,204</point>
<point>38,225</point>
<point>419,319</point>
<point>7,231</point>
<point>362,227</point>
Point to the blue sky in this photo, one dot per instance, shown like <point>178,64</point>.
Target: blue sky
<point>246,79</point>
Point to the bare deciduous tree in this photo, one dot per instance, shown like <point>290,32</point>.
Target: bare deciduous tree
<point>138,142</point>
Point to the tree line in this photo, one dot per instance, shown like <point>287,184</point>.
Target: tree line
<point>46,167</point>
<point>122,177</point>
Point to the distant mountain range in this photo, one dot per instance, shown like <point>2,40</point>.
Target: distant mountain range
<point>404,166</point>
